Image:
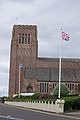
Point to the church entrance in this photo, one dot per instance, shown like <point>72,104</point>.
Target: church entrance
<point>29,89</point>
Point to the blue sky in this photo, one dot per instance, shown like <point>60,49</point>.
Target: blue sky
<point>50,16</point>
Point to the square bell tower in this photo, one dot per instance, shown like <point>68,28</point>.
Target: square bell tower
<point>24,50</point>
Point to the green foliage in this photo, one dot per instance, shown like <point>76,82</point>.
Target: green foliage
<point>9,98</point>
<point>64,90</point>
<point>71,103</point>
<point>25,98</point>
<point>76,104</point>
<point>36,96</point>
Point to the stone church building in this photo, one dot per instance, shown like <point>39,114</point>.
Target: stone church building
<point>37,74</point>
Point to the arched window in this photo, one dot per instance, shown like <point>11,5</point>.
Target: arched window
<point>29,89</point>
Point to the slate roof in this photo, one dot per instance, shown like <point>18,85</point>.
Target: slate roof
<point>51,74</point>
<point>57,59</point>
<point>48,59</point>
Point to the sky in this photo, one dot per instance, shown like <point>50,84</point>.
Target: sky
<point>50,16</point>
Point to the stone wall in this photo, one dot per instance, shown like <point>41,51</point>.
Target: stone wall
<point>58,107</point>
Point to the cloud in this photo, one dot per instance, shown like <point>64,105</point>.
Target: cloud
<point>23,1</point>
<point>3,69</point>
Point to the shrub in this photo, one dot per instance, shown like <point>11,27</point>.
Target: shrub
<point>71,103</point>
<point>35,96</point>
<point>68,105</point>
<point>76,104</point>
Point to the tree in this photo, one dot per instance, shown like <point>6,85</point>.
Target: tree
<point>64,90</point>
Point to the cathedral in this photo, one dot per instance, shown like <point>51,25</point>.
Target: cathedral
<point>30,73</point>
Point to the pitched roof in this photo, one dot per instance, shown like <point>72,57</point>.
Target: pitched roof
<point>57,59</point>
<point>51,74</point>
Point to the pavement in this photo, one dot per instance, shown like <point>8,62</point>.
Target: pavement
<point>74,114</point>
<point>8,112</point>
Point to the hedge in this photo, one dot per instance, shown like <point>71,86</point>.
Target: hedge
<point>72,103</point>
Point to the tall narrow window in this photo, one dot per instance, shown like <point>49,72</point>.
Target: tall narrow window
<point>44,87</point>
<point>70,86</point>
<point>25,38</point>
<point>29,37</point>
<point>53,85</point>
<point>47,87</point>
<point>22,38</point>
<point>40,87</point>
<point>19,38</point>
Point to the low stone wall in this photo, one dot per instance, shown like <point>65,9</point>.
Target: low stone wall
<point>58,107</point>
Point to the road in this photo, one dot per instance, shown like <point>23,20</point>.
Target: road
<point>7,111</point>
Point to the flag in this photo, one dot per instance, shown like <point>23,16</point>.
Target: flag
<point>21,66</point>
<point>65,36</point>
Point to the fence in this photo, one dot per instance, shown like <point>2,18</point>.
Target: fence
<point>58,107</point>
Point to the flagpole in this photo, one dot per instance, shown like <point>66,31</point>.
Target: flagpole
<point>19,83</point>
<point>64,37</point>
<point>59,71</point>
